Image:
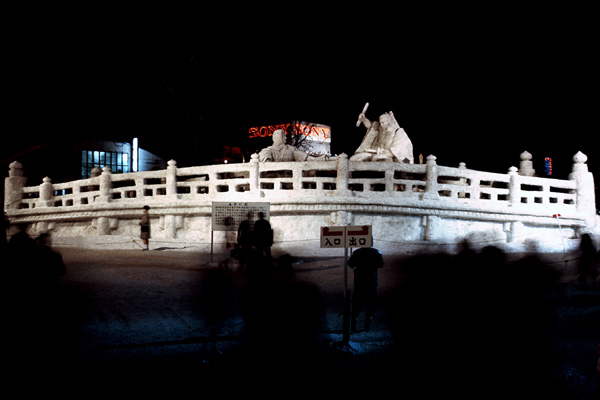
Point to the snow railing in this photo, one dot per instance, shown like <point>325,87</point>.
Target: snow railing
<point>315,181</point>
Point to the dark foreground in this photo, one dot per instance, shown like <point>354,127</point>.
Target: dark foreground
<point>479,324</point>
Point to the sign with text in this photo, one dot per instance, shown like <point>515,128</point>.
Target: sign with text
<point>359,236</point>
<point>316,132</point>
<point>333,236</point>
<point>346,236</point>
<point>227,216</point>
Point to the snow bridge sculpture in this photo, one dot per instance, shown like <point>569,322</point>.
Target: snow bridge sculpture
<point>426,204</point>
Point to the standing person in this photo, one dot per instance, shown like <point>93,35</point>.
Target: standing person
<point>244,239</point>
<point>263,236</point>
<point>145,227</point>
<point>589,259</point>
<point>365,262</point>
<point>51,263</point>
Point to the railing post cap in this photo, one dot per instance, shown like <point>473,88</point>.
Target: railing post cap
<point>47,180</point>
<point>513,170</point>
<point>526,156</point>
<point>431,159</point>
<point>15,165</point>
<point>15,169</point>
<point>96,171</point>
<point>106,170</point>
<point>580,158</point>
<point>254,157</point>
<point>172,163</point>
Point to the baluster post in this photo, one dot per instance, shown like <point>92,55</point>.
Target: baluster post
<point>343,173</point>
<point>431,184</point>
<point>13,186</point>
<point>46,193</point>
<point>254,174</point>
<point>171,179</point>
<point>105,184</point>
<point>514,190</point>
<point>586,198</point>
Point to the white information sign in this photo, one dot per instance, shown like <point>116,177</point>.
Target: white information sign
<point>227,216</point>
<point>359,236</point>
<point>333,236</point>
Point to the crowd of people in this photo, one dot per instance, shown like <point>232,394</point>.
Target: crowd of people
<point>472,316</point>
<point>475,319</point>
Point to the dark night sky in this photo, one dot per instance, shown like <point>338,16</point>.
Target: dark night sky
<point>478,94</point>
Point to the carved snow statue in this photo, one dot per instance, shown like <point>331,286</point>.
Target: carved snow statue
<point>280,151</point>
<point>385,140</point>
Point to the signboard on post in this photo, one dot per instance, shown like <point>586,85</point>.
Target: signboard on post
<point>333,236</point>
<point>346,236</point>
<point>228,215</point>
<point>359,236</point>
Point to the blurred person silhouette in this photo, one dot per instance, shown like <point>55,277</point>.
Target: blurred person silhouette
<point>263,236</point>
<point>484,315</point>
<point>365,262</point>
<point>145,227</point>
<point>21,243</point>
<point>282,317</point>
<point>45,294</point>
<point>215,304</point>
<point>231,247</point>
<point>532,307</point>
<point>21,252</point>
<point>3,229</point>
<point>34,269</point>
<point>245,240</point>
<point>587,269</point>
<point>21,256</point>
<point>419,319</point>
<point>51,265</point>
<point>17,299</point>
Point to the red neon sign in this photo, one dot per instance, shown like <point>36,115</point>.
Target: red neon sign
<point>320,133</point>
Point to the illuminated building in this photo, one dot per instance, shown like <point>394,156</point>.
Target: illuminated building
<point>68,161</point>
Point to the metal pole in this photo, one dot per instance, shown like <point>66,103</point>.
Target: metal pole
<point>347,317</point>
<point>212,233</point>
<point>345,271</point>
<point>347,302</point>
<point>560,230</point>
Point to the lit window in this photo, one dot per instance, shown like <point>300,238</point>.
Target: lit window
<point>117,161</point>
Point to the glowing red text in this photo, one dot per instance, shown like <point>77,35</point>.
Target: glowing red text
<point>321,133</point>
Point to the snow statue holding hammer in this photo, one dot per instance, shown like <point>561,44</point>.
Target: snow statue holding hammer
<point>385,140</point>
